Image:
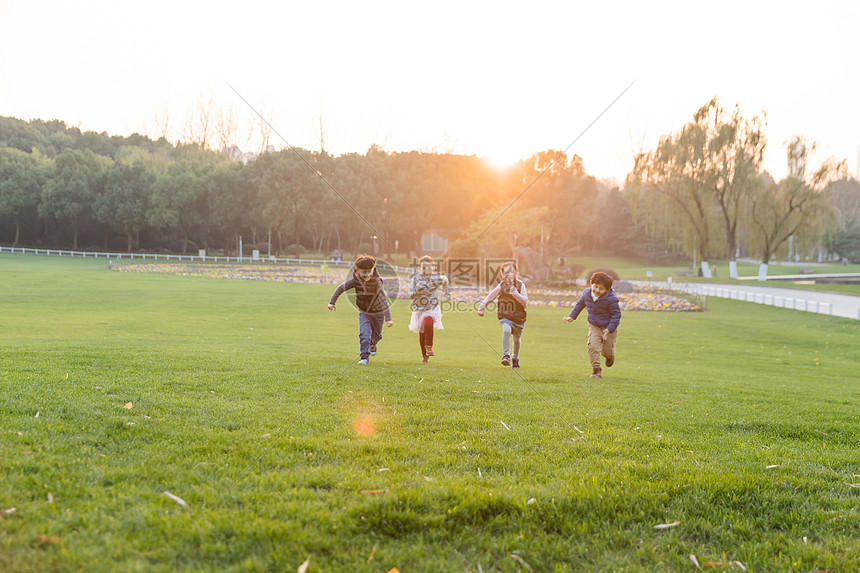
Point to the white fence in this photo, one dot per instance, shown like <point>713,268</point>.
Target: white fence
<point>796,303</point>
<point>188,258</point>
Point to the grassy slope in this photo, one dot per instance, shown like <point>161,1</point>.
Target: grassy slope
<point>681,429</point>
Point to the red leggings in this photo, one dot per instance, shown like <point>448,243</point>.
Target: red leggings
<point>426,338</point>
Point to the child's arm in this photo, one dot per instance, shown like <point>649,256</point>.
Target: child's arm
<point>577,308</point>
<point>339,291</point>
<point>614,315</point>
<point>386,304</point>
<point>413,287</point>
<point>488,299</point>
<point>521,296</point>
<point>446,286</point>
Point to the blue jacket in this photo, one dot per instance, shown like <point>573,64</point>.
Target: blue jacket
<point>604,312</point>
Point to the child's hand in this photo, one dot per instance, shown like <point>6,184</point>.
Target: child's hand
<point>605,334</point>
<point>389,324</point>
<point>331,306</point>
<point>567,319</point>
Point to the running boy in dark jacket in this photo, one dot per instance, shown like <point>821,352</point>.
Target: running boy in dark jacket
<point>372,303</point>
<point>604,314</point>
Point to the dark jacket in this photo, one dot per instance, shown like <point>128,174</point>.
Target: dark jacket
<point>370,296</point>
<point>508,307</point>
<point>604,312</point>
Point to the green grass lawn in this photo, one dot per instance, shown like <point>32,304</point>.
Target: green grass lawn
<point>740,423</point>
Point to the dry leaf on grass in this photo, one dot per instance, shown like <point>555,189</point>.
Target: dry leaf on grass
<point>667,525</point>
<point>695,561</point>
<point>374,491</point>
<point>771,467</point>
<point>578,430</point>
<point>855,485</point>
<point>304,566</point>
<point>372,553</point>
<point>48,540</point>
<point>383,470</point>
<point>10,510</point>
<point>519,560</point>
<point>176,498</point>
<point>37,414</point>
<point>506,426</point>
<point>266,436</point>
<point>127,406</point>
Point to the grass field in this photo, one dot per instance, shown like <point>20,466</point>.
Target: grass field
<point>737,426</point>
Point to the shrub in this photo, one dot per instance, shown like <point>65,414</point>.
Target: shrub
<point>296,250</point>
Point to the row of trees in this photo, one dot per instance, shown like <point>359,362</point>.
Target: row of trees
<point>704,190</point>
<point>61,187</point>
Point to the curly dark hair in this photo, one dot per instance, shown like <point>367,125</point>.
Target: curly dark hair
<point>601,278</point>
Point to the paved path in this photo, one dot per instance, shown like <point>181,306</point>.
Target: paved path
<point>844,305</point>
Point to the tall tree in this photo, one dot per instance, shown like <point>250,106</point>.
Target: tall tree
<point>124,199</point>
<point>736,150</point>
<point>21,179</point>
<point>68,194</point>
<point>176,198</point>
<point>706,172</point>
<point>795,206</point>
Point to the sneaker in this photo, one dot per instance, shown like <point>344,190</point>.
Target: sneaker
<point>515,363</point>
<point>610,360</point>
<point>364,361</point>
<point>373,350</point>
<point>597,373</point>
<point>425,359</point>
<point>506,360</point>
<point>428,350</point>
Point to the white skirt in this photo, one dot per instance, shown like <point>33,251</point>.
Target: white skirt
<point>418,316</point>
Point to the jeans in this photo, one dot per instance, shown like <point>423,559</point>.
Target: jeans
<point>369,331</point>
<point>507,334</point>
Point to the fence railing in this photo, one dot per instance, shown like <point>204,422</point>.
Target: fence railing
<point>190,258</point>
<point>796,303</point>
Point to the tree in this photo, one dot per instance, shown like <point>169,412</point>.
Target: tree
<point>705,172</point>
<point>231,200</point>
<point>736,149</point>
<point>68,194</point>
<point>844,197</point>
<point>677,172</point>
<point>122,204</point>
<point>177,195</point>
<point>795,206</point>
<point>21,179</point>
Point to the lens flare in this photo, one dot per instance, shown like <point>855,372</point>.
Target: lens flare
<point>363,427</point>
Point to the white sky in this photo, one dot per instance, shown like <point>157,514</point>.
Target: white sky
<point>496,79</point>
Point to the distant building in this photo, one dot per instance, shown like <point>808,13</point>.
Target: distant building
<point>435,241</point>
<point>236,154</point>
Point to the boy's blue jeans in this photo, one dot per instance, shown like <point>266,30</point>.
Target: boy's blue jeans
<point>369,331</point>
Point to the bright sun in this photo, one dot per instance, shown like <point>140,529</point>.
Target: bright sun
<point>500,158</point>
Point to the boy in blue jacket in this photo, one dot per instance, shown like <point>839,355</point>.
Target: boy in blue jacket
<point>604,314</point>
